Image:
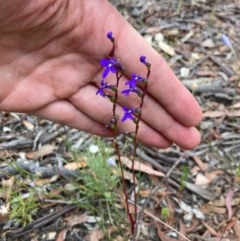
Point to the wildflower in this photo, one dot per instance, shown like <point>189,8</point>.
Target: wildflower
<point>226,41</point>
<point>104,85</point>
<point>113,122</point>
<point>132,89</point>
<point>143,60</point>
<point>38,174</point>
<point>110,36</point>
<point>93,149</point>
<point>135,78</point>
<point>128,113</point>
<point>111,162</point>
<point>111,64</point>
<point>4,210</point>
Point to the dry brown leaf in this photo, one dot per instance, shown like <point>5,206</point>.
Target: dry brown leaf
<point>4,218</point>
<point>206,73</point>
<point>76,219</point>
<point>40,182</point>
<point>138,166</point>
<point>210,229</point>
<point>71,221</point>
<point>152,30</point>
<point>8,185</point>
<point>182,230</point>
<point>166,48</point>
<point>207,208</point>
<point>62,235</point>
<point>235,113</point>
<point>28,125</point>
<point>231,223</point>
<point>215,114</point>
<point>195,169</point>
<point>200,163</point>
<point>44,150</point>
<point>162,235</point>
<point>127,175</point>
<point>54,192</point>
<point>237,105</point>
<point>75,165</point>
<point>201,179</point>
<point>207,43</point>
<point>96,235</point>
<point>213,174</point>
<point>30,155</point>
<point>221,202</point>
<point>228,202</point>
<point>236,229</point>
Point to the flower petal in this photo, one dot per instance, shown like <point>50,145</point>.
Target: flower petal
<point>113,69</point>
<point>126,92</point>
<point>104,62</point>
<point>105,72</point>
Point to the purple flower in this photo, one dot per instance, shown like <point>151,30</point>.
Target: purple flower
<point>128,114</point>
<point>111,64</point>
<point>110,36</point>
<point>226,41</point>
<point>131,89</point>
<point>111,162</point>
<point>134,79</point>
<point>143,59</point>
<point>104,85</point>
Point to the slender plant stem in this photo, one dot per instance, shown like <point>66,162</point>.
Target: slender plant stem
<point>116,146</point>
<point>135,145</point>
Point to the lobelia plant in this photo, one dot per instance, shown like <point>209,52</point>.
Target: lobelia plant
<point>113,66</point>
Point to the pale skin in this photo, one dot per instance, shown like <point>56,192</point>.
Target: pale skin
<point>49,67</point>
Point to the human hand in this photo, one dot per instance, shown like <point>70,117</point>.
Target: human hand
<point>49,67</point>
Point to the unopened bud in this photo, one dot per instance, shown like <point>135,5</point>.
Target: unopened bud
<point>129,139</point>
<point>116,117</point>
<point>140,93</point>
<point>112,99</point>
<point>135,120</point>
<point>145,81</point>
<point>131,158</point>
<point>114,88</point>
<point>115,141</point>
<point>133,135</point>
<point>138,110</point>
<point>112,126</point>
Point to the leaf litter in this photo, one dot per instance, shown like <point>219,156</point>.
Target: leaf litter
<point>206,205</point>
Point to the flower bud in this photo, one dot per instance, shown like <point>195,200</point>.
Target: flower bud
<point>145,81</point>
<point>133,135</point>
<point>115,141</point>
<point>140,93</point>
<point>112,99</point>
<point>114,88</point>
<point>116,117</point>
<point>113,126</point>
<point>135,120</point>
<point>138,110</point>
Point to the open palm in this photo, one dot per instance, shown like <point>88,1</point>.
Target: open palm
<point>49,67</point>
